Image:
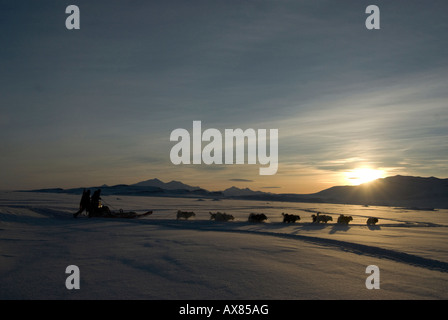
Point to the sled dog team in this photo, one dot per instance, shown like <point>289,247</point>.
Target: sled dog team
<point>287,218</point>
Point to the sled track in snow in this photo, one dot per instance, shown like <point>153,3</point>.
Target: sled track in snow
<point>362,249</point>
<point>356,248</point>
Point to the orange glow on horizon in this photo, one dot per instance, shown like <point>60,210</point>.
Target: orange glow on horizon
<point>362,175</point>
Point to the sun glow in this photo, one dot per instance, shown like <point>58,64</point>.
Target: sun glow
<point>363,175</point>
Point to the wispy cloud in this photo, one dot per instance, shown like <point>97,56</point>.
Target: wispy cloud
<point>107,97</point>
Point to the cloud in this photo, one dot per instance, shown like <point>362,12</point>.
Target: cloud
<point>109,95</point>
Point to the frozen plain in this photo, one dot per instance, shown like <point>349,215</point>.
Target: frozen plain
<point>160,258</point>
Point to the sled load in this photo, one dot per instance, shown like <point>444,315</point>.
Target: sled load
<point>123,214</point>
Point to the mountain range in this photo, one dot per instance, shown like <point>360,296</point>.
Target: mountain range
<point>401,191</point>
<point>172,185</point>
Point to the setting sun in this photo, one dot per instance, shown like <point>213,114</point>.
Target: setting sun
<point>363,175</point>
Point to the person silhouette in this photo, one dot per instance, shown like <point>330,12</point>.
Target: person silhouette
<point>95,202</point>
<point>84,204</point>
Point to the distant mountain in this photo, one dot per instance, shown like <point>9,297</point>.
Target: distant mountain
<point>392,191</point>
<point>237,192</point>
<point>400,191</point>
<point>172,185</point>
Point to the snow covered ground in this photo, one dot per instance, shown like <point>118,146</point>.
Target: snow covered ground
<point>159,257</point>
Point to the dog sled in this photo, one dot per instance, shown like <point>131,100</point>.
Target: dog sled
<point>94,208</point>
<point>104,212</point>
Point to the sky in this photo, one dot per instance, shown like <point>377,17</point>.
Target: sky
<point>97,105</point>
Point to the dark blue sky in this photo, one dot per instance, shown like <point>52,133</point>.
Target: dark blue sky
<point>97,105</point>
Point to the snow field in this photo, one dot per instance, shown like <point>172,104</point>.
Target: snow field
<point>159,257</point>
